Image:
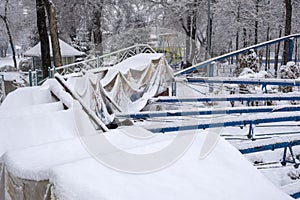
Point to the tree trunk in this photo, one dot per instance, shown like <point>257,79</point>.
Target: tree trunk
<point>97,30</point>
<point>5,20</point>
<point>277,55</point>
<point>193,32</point>
<point>237,33</point>
<point>245,37</point>
<point>42,29</point>
<point>256,23</point>
<point>267,50</point>
<point>11,43</point>
<point>288,28</point>
<point>188,41</point>
<point>53,32</point>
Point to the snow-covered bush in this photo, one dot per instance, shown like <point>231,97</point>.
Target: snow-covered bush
<point>288,71</point>
<point>247,60</point>
<point>248,73</point>
<point>25,65</point>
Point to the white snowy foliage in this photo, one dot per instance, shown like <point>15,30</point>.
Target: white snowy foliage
<point>288,71</point>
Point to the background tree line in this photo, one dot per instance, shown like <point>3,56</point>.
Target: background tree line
<point>95,26</point>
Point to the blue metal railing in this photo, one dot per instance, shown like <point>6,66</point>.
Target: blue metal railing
<point>178,113</point>
<point>246,98</point>
<point>244,50</point>
<point>229,123</point>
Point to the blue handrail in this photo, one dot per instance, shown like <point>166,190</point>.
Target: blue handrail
<point>228,55</point>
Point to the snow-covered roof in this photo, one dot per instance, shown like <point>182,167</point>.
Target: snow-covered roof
<point>66,50</point>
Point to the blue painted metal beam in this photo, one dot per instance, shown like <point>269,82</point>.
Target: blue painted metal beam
<point>246,98</point>
<point>219,58</point>
<point>144,115</point>
<point>281,82</point>
<point>224,124</point>
<point>269,147</point>
<point>296,195</point>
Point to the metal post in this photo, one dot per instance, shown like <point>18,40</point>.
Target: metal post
<point>30,78</point>
<point>174,88</point>
<point>291,42</point>
<point>251,132</point>
<point>36,77</point>
<point>211,74</point>
<point>264,88</point>
<point>296,51</point>
<point>49,72</point>
<point>3,87</point>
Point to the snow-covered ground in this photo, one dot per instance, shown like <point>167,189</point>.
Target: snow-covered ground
<point>8,61</point>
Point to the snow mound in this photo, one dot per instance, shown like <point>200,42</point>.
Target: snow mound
<point>224,174</point>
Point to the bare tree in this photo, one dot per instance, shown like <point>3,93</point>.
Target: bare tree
<point>288,28</point>
<point>6,22</point>
<point>97,27</point>
<point>51,12</point>
<point>44,40</point>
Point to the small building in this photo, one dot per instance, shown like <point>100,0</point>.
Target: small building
<point>68,54</point>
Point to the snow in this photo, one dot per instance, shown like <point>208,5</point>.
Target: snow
<point>225,174</point>
<point>291,188</point>
<point>33,163</point>
<point>30,96</point>
<point>135,80</point>
<point>66,50</point>
<point>8,61</point>
<point>139,62</point>
<point>39,140</point>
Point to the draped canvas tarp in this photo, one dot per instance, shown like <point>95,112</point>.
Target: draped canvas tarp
<point>132,82</point>
<point>22,189</point>
<point>90,90</point>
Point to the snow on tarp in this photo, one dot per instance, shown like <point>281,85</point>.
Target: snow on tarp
<point>132,82</point>
<point>34,149</point>
<point>27,96</point>
<point>90,90</point>
<point>66,50</point>
<point>32,109</point>
<point>224,174</point>
<point>32,124</point>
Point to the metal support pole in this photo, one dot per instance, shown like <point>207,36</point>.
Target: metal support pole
<point>49,72</point>
<point>36,77</point>
<point>291,42</point>
<point>264,88</point>
<point>3,87</point>
<point>284,160</point>
<point>251,132</point>
<point>30,78</point>
<point>174,88</point>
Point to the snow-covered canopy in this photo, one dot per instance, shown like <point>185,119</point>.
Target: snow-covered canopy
<point>66,50</point>
<point>132,82</point>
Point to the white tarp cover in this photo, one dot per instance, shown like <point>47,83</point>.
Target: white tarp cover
<point>65,49</point>
<point>90,90</point>
<point>224,174</point>
<point>132,82</point>
<point>31,117</point>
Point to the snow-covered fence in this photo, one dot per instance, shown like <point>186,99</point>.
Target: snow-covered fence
<point>106,60</point>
